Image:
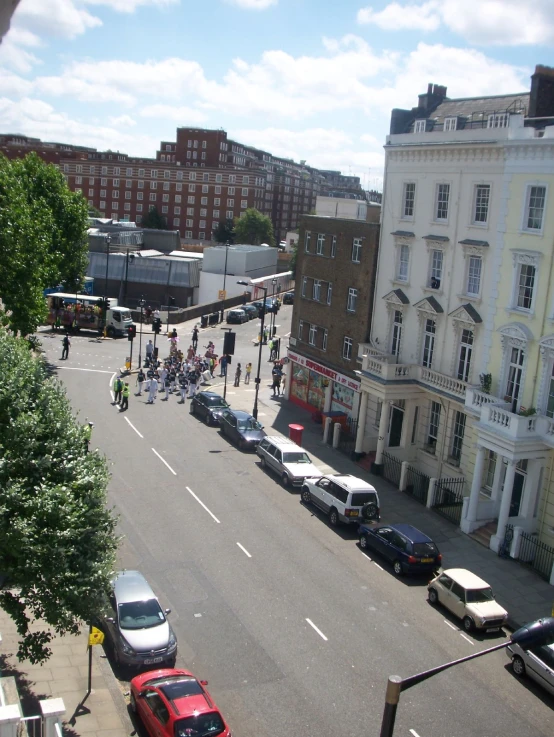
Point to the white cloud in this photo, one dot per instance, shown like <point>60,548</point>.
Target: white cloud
<point>253,4</point>
<point>180,113</point>
<point>129,6</point>
<point>14,56</point>
<point>58,18</point>
<point>483,22</point>
<point>13,84</point>
<point>123,120</point>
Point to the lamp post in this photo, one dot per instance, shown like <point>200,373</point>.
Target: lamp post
<point>225,279</point>
<point>141,305</point>
<point>539,632</point>
<point>257,379</point>
<point>108,241</point>
<point>273,313</point>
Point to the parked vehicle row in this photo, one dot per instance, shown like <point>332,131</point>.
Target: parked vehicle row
<point>253,310</point>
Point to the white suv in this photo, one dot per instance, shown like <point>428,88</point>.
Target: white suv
<point>288,459</point>
<point>344,498</point>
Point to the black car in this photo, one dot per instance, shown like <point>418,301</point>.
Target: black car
<point>236,317</point>
<point>209,406</point>
<point>241,428</point>
<point>288,298</point>
<point>251,311</point>
<point>407,548</point>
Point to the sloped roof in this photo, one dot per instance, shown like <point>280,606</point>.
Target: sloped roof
<point>468,107</point>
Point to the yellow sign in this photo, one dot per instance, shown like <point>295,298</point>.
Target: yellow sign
<point>222,294</point>
<point>96,636</point>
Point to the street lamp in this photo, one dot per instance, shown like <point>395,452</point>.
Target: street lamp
<point>539,632</point>
<point>108,241</point>
<point>142,302</point>
<point>257,379</point>
<point>273,313</point>
<point>227,244</point>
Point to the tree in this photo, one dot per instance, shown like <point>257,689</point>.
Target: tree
<point>293,259</point>
<point>94,212</point>
<point>43,237</point>
<point>254,228</point>
<point>225,232</point>
<point>57,537</point>
<point>154,220</point>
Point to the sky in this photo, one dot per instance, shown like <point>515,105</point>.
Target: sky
<point>311,80</point>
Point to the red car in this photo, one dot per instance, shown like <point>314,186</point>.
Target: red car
<point>172,703</point>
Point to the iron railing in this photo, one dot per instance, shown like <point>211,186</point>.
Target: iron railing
<point>449,498</point>
<point>347,438</point>
<point>536,554</point>
<point>392,468</point>
<point>417,485</point>
<point>33,726</point>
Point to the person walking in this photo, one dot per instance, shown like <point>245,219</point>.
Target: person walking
<point>152,390</point>
<point>125,394</point>
<point>270,344</point>
<point>192,384</point>
<point>149,351</point>
<point>237,375</point>
<point>195,338</point>
<point>141,378</point>
<point>66,343</point>
<point>223,366</point>
<point>182,387</point>
<point>167,387</point>
<point>273,350</point>
<point>117,390</point>
<point>276,385</point>
<point>248,371</point>
<point>212,367</point>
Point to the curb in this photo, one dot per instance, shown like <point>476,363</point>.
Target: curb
<point>114,687</point>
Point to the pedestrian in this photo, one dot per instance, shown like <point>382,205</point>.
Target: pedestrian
<point>276,374</point>
<point>265,336</point>
<point>87,434</point>
<point>248,371</point>
<point>237,375</point>
<point>223,366</point>
<point>66,343</point>
<point>167,387</point>
<point>212,366</point>
<point>149,351</point>
<point>273,349</point>
<point>182,387</point>
<point>195,338</point>
<point>125,400</point>
<point>117,390</point>
<point>192,384</point>
<point>270,344</point>
<point>141,378</point>
<point>152,390</point>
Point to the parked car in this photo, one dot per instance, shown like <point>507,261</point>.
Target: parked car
<point>469,598</point>
<point>287,459</point>
<point>258,305</point>
<point>537,663</point>
<point>241,428</point>
<point>171,703</point>
<point>272,304</point>
<point>408,549</point>
<point>137,626</point>
<point>344,498</point>
<point>209,406</point>
<point>251,311</point>
<point>288,298</point>
<point>236,317</point>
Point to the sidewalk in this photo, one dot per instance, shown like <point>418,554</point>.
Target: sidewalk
<point>65,675</point>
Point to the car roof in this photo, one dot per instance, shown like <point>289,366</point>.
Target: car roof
<point>284,442</point>
<point>210,394</point>
<point>240,414</point>
<point>237,309</point>
<point>352,483</point>
<point>411,532</point>
<point>466,578</point>
<point>131,586</point>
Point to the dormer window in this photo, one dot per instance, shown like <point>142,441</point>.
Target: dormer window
<point>450,124</point>
<point>420,126</point>
<point>498,120</point>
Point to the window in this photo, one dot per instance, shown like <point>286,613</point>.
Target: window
<point>102,205</point>
<point>217,202</point>
<point>347,348</point>
<point>153,185</point>
<point>218,178</point>
<point>408,200</point>
<point>312,334</point>
<point>203,212</point>
<point>329,292</point>
<point>464,356</point>
<point>490,468</point>
<point>178,187</point>
<point>115,194</point>
<point>515,371</point>
<point>115,183</point>
<point>104,170</point>
<point>141,172</point>
<point>215,214</point>
<point>403,263</point>
<point>324,340</point>
<point>333,246</point>
<point>129,172</point>
<point>304,285</point>
<point>246,180</point>
<point>166,185</point>
<point>498,120</point>
<point>230,203</point>
<point>190,199</point>
<point>92,170</point>
<point>139,208</point>
<point>300,329</point>
<point>78,180</point>
<point>176,210</point>
<point>201,223</point>
<point>164,209</point>
<point>232,179</point>
<point>103,182</point>
<point>102,193</point>
<point>141,184</point>
<point>165,198</point>
<point>229,214</point>
<point>128,183</point>
<point>189,144</point>
<point>190,210</point>
<point>356,250</point>
<point>154,173</point>
<point>435,271</point>
<point>167,174</point>
<point>192,187</point>
<point>316,290</point>
<point>396,333</point>
<point>419,126</point>
<point>192,176</point>
<point>443,195</point>
<point>179,176</point>
<point>458,430</point>
<point>307,239</point>
<point>178,198</point>
<point>115,205</point>
<point>429,332</point>
<point>203,200</point>
<point>217,190</point>
<point>189,223</point>
<point>525,286</point>
<point>534,211</point>
<point>127,195</point>
<point>474,276</point>
<point>320,244</point>
<point>351,301</point>
<point>244,204</point>
<point>152,197</point>
<point>91,193</point>
<point>139,195</point>
<point>481,204</point>
<point>450,124</point>
<point>91,181</point>
<point>434,423</point>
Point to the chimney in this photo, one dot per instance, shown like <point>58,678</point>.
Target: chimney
<point>541,99</point>
<point>431,99</point>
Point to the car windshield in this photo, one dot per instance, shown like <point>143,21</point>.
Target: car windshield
<point>425,549</point>
<point>250,424</point>
<point>296,458</point>
<point>136,615</point>
<point>215,402</point>
<point>200,725</point>
<point>476,596</point>
<point>363,497</point>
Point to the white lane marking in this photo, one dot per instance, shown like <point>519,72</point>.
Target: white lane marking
<point>190,491</point>
<point>92,371</point>
<point>110,385</point>
<point>134,428</point>
<point>319,632</point>
<point>287,335</point>
<point>451,625</point>
<point>164,461</point>
<point>467,638</point>
<point>377,565</point>
<point>414,733</point>
<point>244,550</point>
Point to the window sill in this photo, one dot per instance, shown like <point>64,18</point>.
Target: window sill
<point>453,463</point>
<point>519,311</point>
<point>400,283</point>
<point>481,226</point>
<point>430,451</point>
<point>524,231</point>
<point>432,291</point>
<point>470,298</point>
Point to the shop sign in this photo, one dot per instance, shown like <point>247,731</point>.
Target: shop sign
<point>309,363</point>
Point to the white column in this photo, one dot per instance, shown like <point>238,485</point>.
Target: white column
<point>497,479</point>
<point>336,434</point>
<point>496,540</point>
<point>52,712</point>
<point>383,429</point>
<point>362,417</point>
<point>468,524</point>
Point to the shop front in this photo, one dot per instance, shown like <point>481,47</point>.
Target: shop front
<point>318,388</point>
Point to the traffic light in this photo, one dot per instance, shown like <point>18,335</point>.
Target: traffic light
<point>229,344</point>
<point>157,325</point>
<point>131,332</point>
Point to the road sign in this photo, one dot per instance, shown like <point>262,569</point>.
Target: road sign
<point>96,636</point>
<point>222,294</point>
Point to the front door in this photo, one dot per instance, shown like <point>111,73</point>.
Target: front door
<point>395,432</point>
<point>517,494</point>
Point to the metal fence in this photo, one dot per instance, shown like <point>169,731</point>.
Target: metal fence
<point>392,468</point>
<point>449,498</point>
<point>33,726</point>
<point>417,485</point>
<point>536,554</point>
<point>347,439</point>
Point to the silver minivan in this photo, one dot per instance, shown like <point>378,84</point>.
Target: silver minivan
<point>137,625</point>
<point>537,663</point>
<point>287,459</point>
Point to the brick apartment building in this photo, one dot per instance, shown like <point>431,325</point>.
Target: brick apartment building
<point>197,181</point>
<point>335,281</point>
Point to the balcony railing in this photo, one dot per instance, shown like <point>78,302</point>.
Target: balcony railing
<point>496,415</point>
<point>443,382</point>
<point>476,399</point>
<point>417,374</point>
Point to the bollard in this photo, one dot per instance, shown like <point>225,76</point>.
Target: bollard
<point>431,493</point>
<point>403,476</point>
<point>327,429</point>
<point>336,434</point>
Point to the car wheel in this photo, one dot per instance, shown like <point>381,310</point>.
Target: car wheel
<point>285,479</point>
<point>133,703</point>
<point>208,419</point>
<point>306,496</point>
<point>469,624</point>
<point>262,462</point>
<point>333,517</point>
<point>433,597</point>
<point>363,542</point>
<point>111,331</point>
<point>397,567</point>
<point>518,666</point>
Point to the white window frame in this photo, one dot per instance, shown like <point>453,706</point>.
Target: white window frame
<point>320,247</point>
<point>433,429</point>
<point>420,126</point>
<point>316,290</point>
<point>465,355</point>
<point>476,189</point>
<point>408,203</point>
<point>428,342</point>
<point>526,209</point>
<point>329,292</point>
<point>457,439</point>
<point>436,268</point>
<point>397,319</point>
<point>312,335</point>
<point>498,120</point>
<point>450,124</point>
<point>304,285</point>
<point>402,250</point>
<point>513,368</point>
<point>438,189</point>
<point>476,258</point>
<point>324,339</point>
<point>333,246</point>
<point>351,300</point>
<point>300,329</point>
<point>523,260</point>
<point>357,250</point>
<point>347,345</point>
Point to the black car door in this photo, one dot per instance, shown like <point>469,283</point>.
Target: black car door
<point>379,541</point>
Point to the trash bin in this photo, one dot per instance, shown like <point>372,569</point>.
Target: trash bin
<point>295,433</point>
<point>204,321</point>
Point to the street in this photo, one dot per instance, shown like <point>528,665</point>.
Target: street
<point>295,628</point>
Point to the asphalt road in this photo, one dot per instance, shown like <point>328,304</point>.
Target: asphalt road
<point>294,627</point>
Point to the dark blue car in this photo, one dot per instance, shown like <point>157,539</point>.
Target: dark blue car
<point>407,548</point>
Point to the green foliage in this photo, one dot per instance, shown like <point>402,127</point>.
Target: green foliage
<point>43,237</point>
<point>293,258</point>
<point>154,220</point>
<point>486,382</point>
<point>253,228</point>
<point>225,232</point>
<point>57,537</point>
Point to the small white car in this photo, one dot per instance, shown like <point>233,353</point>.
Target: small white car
<point>343,497</point>
<point>287,459</point>
<point>537,663</point>
<point>469,598</point>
